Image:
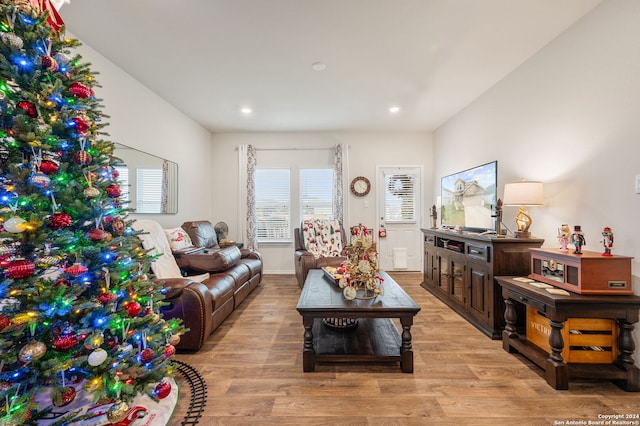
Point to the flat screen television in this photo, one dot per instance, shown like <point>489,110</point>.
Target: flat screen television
<point>469,198</point>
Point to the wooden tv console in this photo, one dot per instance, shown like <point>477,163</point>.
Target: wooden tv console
<point>459,269</point>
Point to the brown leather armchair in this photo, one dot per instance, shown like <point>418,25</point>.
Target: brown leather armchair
<point>306,259</point>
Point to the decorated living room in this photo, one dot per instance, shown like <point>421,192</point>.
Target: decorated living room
<point>238,212</point>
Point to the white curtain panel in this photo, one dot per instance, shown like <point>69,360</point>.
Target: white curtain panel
<point>338,200</point>
<point>252,240</point>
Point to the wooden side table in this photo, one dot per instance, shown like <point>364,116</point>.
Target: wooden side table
<point>558,308</point>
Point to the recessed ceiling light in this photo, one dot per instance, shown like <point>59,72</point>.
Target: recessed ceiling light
<point>319,66</point>
<point>246,110</point>
<point>394,109</point>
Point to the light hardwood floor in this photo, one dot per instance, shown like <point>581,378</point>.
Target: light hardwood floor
<point>253,368</point>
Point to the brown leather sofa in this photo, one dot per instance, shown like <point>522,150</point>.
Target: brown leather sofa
<point>243,265</point>
<point>215,281</point>
<point>305,260</point>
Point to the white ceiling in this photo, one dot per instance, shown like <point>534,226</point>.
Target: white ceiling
<point>209,58</point>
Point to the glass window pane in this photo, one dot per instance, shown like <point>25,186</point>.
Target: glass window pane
<point>399,197</point>
<point>149,191</point>
<point>316,193</point>
<point>273,204</point>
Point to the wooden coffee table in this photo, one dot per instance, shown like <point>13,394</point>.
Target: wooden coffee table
<point>375,338</point>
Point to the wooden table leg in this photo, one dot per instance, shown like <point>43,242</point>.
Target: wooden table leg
<point>556,370</point>
<point>406,350</point>
<point>308,353</point>
<point>510,330</point>
<point>626,348</point>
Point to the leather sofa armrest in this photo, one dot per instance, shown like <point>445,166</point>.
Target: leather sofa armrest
<point>304,261</point>
<point>174,286</point>
<point>250,254</point>
<point>191,302</point>
<point>305,258</point>
<point>217,260</point>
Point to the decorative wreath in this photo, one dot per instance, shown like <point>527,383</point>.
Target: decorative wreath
<point>400,184</point>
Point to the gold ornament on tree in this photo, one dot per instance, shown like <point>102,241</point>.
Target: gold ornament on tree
<point>117,412</point>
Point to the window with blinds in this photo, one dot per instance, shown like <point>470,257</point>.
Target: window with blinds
<point>400,198</point>
<point>316,193</point>
<point>273,204</point>
<point>149,190</point>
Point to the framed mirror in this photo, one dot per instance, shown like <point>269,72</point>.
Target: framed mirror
<point>149,183</point>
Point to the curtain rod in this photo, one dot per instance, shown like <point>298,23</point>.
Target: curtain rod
<point>294,149</point>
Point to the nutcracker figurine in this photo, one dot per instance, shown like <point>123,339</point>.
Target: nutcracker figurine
<point>434,217</point>
<point>563,237</point>
<point>577,239</point>
<point>607,241</point>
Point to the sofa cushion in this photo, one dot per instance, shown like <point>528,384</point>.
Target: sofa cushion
<point>218,260</point>
<point>178,239</point>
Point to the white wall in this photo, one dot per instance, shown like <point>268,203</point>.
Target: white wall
<point>366,151</point>
<point>569,117</point>
<point>142,120</point>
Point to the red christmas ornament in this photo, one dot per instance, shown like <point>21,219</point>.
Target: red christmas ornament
<point>134,308</point>
<point>96,234</point>
<point>163,390</point>
<point>106,297</point>
<point>18,269</point>
<point>62,281</point>
<point>4,322</point>
<point>60,220</point>
<point>66,342</point>
<point>49,167</point>
<point>76,269</point>
<point>28,108</point>
<point>49,63</point>
<point>81,124</point>
<point>113,190</point>
<point>169,351</point>
<point>146,355</point>
<point>82,157</point>
<point>5,259</point>
<point>79,90</point>
<point>67,395</point>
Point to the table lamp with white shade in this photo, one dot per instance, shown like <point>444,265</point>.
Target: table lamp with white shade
<point>523,194</point>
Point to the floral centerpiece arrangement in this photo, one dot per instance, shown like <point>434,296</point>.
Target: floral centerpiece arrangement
<point>360,273</point>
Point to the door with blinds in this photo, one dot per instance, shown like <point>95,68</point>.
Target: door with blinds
<point>399,210</point>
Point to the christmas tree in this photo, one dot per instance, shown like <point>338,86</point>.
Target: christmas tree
<point>76,305</point>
